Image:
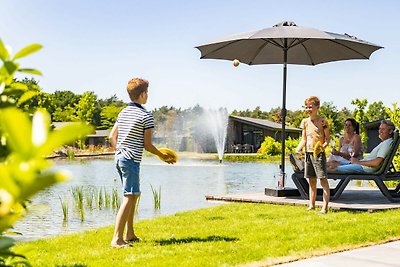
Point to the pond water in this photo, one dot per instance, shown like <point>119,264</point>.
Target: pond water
<point>183,187</point>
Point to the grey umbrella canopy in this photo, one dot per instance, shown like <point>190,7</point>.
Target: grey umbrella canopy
<point>286,43</point>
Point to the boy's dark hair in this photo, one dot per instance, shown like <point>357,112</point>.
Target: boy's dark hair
<point>136,86</point>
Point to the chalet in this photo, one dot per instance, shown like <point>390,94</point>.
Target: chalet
<point>252,132</point>
<point>97,138</point>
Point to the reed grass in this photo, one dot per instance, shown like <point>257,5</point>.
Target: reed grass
<point>70,154</point>
<point>90,198</point>
<point>90,194</point>
<point>156,197</point>
<point>77,192</point>
<point>107,199</point>
<point>64,207</point>
<point>100,198</point>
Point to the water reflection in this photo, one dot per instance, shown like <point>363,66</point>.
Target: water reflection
<point>183,187</point>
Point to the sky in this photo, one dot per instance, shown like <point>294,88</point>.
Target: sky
<point>99,45</point>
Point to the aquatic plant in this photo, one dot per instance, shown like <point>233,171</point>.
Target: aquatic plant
<point>77,192</point>
<point>70,154</point>
<point>90,194</point>
<point>100,198</point>
<point>156,197</point>
<point>64,207</point>
<point>107,198</point>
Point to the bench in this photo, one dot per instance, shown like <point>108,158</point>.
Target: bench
<point>387,172</point>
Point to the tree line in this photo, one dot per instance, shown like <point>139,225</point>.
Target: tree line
<point>102,113</point>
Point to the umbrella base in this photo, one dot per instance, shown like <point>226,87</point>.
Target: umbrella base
<point>284,192</point>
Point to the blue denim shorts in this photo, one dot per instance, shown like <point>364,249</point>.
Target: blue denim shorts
<point>350,168</point>
<point>128,171</point>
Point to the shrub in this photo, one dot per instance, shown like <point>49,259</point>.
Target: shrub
<point>270,147</point>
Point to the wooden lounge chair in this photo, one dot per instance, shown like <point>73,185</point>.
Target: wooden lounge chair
<point>387,172</point>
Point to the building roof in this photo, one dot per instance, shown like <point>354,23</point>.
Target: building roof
<point>59,124</point>
<point>100,133</point>
<point>264,124</point>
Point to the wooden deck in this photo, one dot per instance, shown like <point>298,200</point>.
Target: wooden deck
<point>365,199</point>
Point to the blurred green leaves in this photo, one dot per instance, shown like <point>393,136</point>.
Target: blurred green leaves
<point>27,50</point>
<point>25,141</point>
<point>25,171</point>
<point>4,55</point>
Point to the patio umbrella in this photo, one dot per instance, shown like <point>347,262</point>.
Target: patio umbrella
<point>286,43</point>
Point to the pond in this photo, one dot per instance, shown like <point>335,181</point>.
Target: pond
<point>183,187</point>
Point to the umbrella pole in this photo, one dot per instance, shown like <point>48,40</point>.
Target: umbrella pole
<point>283,113</point>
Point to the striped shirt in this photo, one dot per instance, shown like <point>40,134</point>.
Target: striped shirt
<point>132,121</point>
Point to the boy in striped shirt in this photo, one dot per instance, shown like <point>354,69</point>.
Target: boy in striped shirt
<point>131,133</point>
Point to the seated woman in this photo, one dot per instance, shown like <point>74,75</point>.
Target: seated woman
<point>349,145</point>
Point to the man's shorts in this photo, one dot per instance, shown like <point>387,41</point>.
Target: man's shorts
<point>128,171</point>
<point>315,167</point>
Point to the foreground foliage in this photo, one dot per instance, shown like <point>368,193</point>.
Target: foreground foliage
<point>24,142</point>
<point>225,235</point>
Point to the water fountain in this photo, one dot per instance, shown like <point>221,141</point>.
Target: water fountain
<point>217,123</point>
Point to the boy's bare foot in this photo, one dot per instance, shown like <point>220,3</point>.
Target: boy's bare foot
<point>133,239</point>
<point>322,212</point>
<point>119,244</point>
<point>310,208</point>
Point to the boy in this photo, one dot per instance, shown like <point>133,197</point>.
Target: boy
<point>315,137</point>
<point>131,133</point>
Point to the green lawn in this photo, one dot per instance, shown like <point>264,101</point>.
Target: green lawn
<point>225,235</point>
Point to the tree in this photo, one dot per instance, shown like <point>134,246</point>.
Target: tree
<point>330,112</point>
<point>65,98</point>
<point>85,107</point>
<point>376,111</point>
<point>64,114</point>
<point>113,100</point>
<point>38,99</point>
<point>359,115</point>
<point>394,115</point>
<point>108,116</point>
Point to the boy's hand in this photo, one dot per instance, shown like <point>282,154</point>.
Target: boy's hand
<point>299,154</point>
<point>168,158</point>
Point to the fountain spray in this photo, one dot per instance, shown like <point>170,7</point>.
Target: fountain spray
<point>217,121</point>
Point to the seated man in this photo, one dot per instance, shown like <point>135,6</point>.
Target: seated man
<point>374,160</point>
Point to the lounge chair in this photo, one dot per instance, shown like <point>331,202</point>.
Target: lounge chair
<point>387,172</point>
